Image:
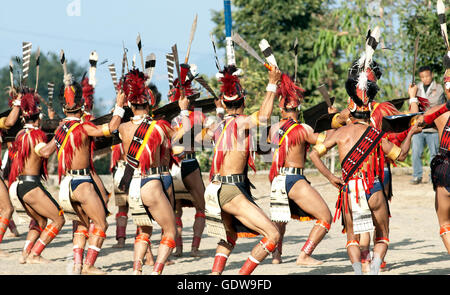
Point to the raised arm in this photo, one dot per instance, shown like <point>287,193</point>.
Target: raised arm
<point>13,116</point>
<point>265,111</point>
<point>413,102</point>
<point>107,128</point>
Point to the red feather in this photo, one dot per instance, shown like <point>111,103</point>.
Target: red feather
<point>135,88</point>
<point>381,110</point>
<point>21,149</point>
<point>291,94</point>
<point>29,103</point>
<point>88,94</point>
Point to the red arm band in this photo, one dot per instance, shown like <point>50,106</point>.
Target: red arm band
<point>428,119</point>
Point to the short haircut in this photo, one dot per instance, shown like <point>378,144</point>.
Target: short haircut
<point>425,68</point>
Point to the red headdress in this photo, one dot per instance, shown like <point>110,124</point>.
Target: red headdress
<point>187,75</point>
<point>231,87</point>
<point>88,94</point>
<point>29,104</point>
<point>135,89</point>
<point>290,94</point>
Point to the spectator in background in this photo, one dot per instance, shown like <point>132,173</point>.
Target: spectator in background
<point>423,96</point>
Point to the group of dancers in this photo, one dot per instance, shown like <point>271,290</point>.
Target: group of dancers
<point>150,153</point>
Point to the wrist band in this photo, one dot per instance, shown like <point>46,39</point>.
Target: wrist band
<point>118,111</point>
<point>17,103</point>
<point>394,153</point>
<point>271,87</point>
<point>220,110</point>
<point>184,113</point>
<point>413,99</point>
<point>105,130</point>
<point>38,148</point>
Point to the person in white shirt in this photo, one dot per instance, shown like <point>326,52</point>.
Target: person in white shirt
<point>423,96</point>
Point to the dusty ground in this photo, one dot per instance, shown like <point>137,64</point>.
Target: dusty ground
<point>415,246</point>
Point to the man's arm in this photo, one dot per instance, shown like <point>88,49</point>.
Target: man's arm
<point>107,128</point>
<point>321,149</point>
<point>413,102</point>
<point>265,111</point>
<point>44,150</point>
<point>396,153</point>
<point>13,116</point>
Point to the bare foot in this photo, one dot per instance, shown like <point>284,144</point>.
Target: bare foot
<point>276,257</point>
<point>76,270</point>
<point>137,272</point>
<point>365,267</point>
<point>4,254</point>
<point>91,270</point>
<point>120,243</point>
<point>169,262</point>
<point>307,260</point>
<point>196,253</point>
<point>23,258</point>
<point>33,259</point>
<point>149,260</point>
<point>13,234</point>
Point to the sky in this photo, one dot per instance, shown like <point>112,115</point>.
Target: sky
<point>81,26</point>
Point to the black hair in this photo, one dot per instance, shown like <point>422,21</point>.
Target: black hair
<point>235,104</point>
<point>140,106</point>
<point>425,68</point>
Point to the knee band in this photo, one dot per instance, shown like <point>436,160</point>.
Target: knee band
<point>444,229</point>
<point>229,245</point>
<point>82,232</point>
<point>51,231</point>
<point>352,243</point>
<point>323,224</point>
<point>98,232</point>
<point>382,240</point>
<point>142,238</point>
<point>268,246</point>
<point>168,242</point>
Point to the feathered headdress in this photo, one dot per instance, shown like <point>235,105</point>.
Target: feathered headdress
<point>231,88</point>
<point>361,84</point>
<point>187,74</point>
<point>88,94</point>
<point>135,88</point>
<point>289,93</point>
<point>71,95</point>
<point>29,104</point>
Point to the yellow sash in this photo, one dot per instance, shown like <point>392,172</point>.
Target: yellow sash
<point>145,140</point>
<point>66,139</point>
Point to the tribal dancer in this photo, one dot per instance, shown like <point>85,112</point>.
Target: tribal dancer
<point>190,169</point>
<point>361,151</point>
<point>230,209</point>
<point>145,142</point>
<point>292,195</point>
<point>440,165</point>
<point>74,144</point>
<point>6,207</point>
<point>27,171</point>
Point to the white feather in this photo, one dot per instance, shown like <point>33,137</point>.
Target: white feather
<point>440,7</point>
<point>68,79</point>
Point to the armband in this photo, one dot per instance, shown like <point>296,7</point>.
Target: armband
<point>118,111</point>
<point>320,149</point>
<point>38,148</point>
<point>271,88</point>
<point>255,118</point>
<point>2,123</point>
<point>321,137</point>
<point>334,122</point>
<point>394,153</point>
<point>220,111</point>
<point>105,130</point>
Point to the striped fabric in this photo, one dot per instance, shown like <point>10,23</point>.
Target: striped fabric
<point>445,138</point>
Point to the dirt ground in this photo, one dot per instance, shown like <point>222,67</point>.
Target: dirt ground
<point>415,246</point>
